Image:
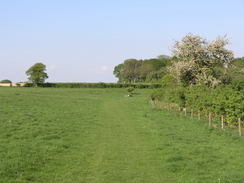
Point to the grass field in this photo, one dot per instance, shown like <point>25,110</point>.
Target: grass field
<point>101,136</point>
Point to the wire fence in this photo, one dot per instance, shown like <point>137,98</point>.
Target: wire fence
<point>214,120</point>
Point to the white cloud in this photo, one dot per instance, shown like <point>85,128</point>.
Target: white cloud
<point>104,68</point>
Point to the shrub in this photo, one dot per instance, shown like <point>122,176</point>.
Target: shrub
<point>130,90</point>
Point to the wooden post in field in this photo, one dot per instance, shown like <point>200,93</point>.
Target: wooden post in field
<point>209,119</point>
<point>185,111</point>
<point>222,121</point>
<point>239,124</point>
<point>199,115</point>
<point>191,113</point>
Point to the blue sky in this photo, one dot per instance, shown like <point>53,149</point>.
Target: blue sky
<point>82,40</point>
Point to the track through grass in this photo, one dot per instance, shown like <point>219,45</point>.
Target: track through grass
<point>101,136</point>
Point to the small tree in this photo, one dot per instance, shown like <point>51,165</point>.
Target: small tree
<point>37,74</point>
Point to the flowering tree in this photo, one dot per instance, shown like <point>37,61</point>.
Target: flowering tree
<point>196,59</point>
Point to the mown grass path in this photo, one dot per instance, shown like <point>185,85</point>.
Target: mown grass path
<point>101,136</point>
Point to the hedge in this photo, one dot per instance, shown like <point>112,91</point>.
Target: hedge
<point>96,85</point>
<point>226,100</point>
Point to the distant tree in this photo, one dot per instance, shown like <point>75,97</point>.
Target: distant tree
<point>163,57</point>
<point>118,72</point>
<point>157,63</point>
<point>5,81</point>
<point>149,70</point>
<point>36,74</point>
<point>144,69</point>
<point>155,76</point>
<point>131,70</point>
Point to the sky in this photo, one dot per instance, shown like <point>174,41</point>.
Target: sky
<point>82,40</point>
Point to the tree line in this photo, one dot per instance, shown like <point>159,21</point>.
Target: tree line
<point>194,60</point>
<point>139,71</point>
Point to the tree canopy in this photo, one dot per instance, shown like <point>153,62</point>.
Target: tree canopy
<point>36,74</point>
<point>149,70</point>
<point>5,81</point>
<point>197,59</point>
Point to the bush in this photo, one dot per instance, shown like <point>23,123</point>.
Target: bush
<point>169,81</point>
<point>130,90</point>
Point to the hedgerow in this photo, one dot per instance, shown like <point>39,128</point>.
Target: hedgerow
<point>226,100</point>
<point>96,85</point>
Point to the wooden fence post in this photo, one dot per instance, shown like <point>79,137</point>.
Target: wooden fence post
<point>199,115</point>
<point>185,111</point>
<point>191,113</point>
<point>222,121</point>
<point>239,124</point>
<point>209,119</point>
<point>179,111</point>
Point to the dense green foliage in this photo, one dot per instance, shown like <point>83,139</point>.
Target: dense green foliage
<point>227,100</point>
<point>97,85</point>
<point>235,73</point>
<point>149,70</point>
<point>36,74</point>
<point>5,81</point>
<point>51,135</point>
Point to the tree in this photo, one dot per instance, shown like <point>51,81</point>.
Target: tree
<point>197,59</point>
<point>144,69</point>
<point>155,76</point>
<point>150,70</point>
<point>131,70</point>
<point>37,74</point>
<point>5,81</point>
<point>118,72</point>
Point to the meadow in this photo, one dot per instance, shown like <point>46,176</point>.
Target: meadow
<point>65,135</point>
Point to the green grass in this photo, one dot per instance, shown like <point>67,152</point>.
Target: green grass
<point>101,136</point>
